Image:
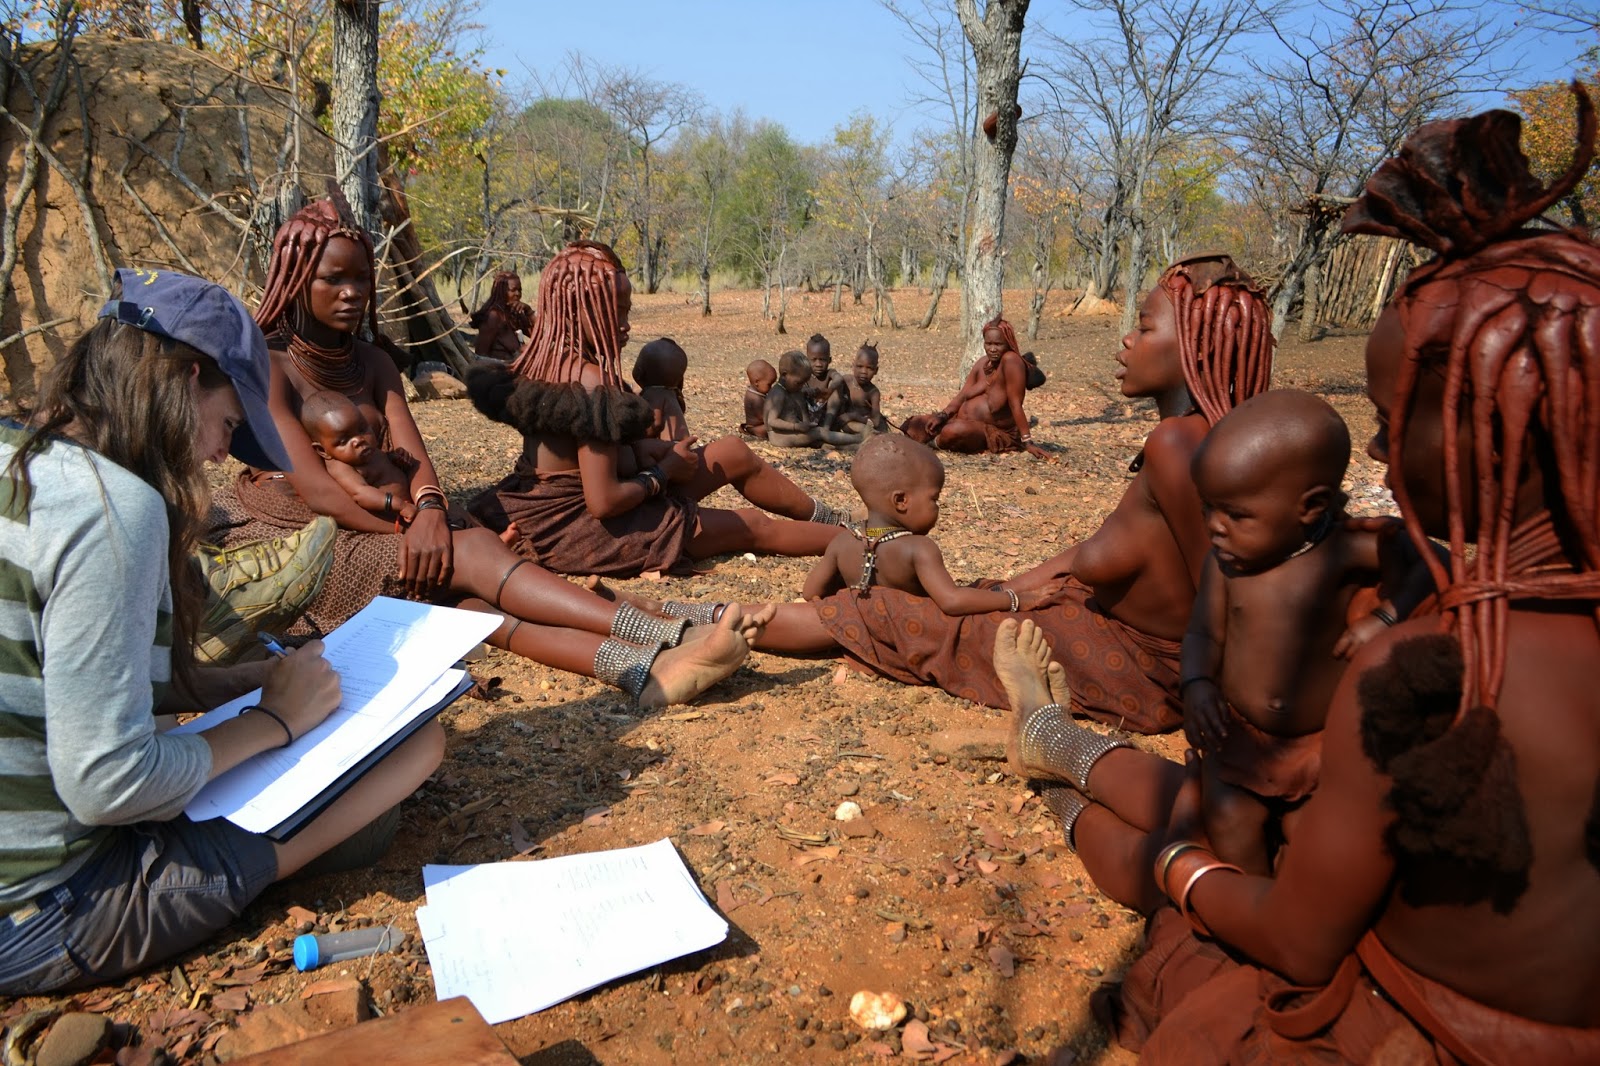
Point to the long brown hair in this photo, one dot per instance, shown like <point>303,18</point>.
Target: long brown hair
<point>124,393</point>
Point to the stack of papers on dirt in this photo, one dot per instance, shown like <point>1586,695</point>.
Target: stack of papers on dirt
<point>394,660</point>
<point>517,937</point>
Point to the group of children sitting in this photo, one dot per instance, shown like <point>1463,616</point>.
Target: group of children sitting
<point>804,402</point>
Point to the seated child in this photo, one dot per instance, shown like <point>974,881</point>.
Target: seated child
<point>856,407</point>
<point>823,383</point>
<point>787,415</point>
<point>377,480</point>
<point>659,374</point>
<point>761,375</point>
<point>900,481</point>
<point>1276,589</point>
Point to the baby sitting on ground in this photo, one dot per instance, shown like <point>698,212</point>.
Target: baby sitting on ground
<point>379,481</point>
<point>659,371</point>
<point>900,481</point>
<point>761,376</point>
<point>857,406</point>
<point>1276,589</point>
<point>788,415</point>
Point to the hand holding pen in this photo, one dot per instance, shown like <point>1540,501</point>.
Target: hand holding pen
<point>301,689</point>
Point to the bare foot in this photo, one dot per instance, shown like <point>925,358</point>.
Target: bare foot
<point>1021,659</point>
<point>682,673</point>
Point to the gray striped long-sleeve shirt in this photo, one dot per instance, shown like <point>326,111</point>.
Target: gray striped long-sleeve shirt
<point>85,650</point>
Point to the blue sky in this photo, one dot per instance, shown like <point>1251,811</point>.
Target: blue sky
<point>808,64</point>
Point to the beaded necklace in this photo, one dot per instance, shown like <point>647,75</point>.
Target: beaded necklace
<point>872,537</point>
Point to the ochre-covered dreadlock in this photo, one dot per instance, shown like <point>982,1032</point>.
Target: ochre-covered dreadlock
<point>1224,331</point>
<point>518,314</point>
<point>577,319</point>
<point>296,250</point>
<point>1511,318</point>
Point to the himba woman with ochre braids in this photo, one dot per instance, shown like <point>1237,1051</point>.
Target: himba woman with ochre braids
<point>502,316</point>
<point>320,291</point>
<point>1439,900</point>
<point>1121,599</point>
<point>593,492</point>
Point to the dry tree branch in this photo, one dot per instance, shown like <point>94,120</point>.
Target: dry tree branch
<point>40,328</point>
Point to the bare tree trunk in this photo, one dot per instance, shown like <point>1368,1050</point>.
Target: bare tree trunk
<point>1041,292</point>
<point>1138,267</point>
<point>705,285</point>
<point>838,293</point>
<point>355,107</point>
<point>996,40</point>
<point>941,278</point>
<point>1308,303</point>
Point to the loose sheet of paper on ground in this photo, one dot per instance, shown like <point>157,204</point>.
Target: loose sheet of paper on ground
<point>517,937</point>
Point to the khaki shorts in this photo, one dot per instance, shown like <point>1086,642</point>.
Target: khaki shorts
<point>150,892</point>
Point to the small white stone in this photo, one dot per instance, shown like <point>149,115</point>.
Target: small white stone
<point>877,1010</point>
<point>848,811</point>
<point>748,557</point>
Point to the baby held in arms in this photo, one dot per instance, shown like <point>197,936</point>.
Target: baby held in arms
<point>1269,639</point>
<point>377,480</point>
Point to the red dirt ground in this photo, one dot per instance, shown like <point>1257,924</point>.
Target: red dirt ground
<point>965,901</point>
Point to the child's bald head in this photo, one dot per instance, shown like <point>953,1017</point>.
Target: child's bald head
<point>890,462</point>
<point>1284,434</point>
<point>761,374</point>
<point>661,364</point>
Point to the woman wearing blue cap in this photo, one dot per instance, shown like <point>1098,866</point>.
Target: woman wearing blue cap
<point>101,499</point>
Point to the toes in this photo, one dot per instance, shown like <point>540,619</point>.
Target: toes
<point>1005,637</point>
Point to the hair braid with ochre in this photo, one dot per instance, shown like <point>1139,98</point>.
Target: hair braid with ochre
<point>577,318</point>
<point>1224,331</point>
<point>517,313</point>
<point>296,250</point>
<point>1510,316</point>
<point>1513,317</point>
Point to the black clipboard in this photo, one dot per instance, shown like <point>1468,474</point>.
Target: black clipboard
<point>297,821</point>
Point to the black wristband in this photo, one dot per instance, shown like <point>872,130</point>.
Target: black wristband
<point>1387,617</point>
<point>431,503</point>
<point>287,732</point>
<point>1186,682</point>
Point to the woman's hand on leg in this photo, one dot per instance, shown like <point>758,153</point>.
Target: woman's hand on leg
<point>427,556</point>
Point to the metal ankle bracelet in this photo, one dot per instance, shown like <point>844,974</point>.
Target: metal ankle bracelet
<point>624,665</point>
<point>821,512</point>
<point>637,627</point>
<point>697,614</point>
<point>1066,803</point>
<point>1052,742</point>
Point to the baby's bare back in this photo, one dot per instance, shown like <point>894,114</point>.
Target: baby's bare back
<point>1278,667</point>
<point>895,569</point>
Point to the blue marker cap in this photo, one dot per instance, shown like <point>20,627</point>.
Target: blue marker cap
<point>307,955</point>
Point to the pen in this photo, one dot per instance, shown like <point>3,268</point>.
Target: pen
<point>270,642</point>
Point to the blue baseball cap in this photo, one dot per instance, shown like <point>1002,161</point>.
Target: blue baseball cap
<point>212,321</point>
